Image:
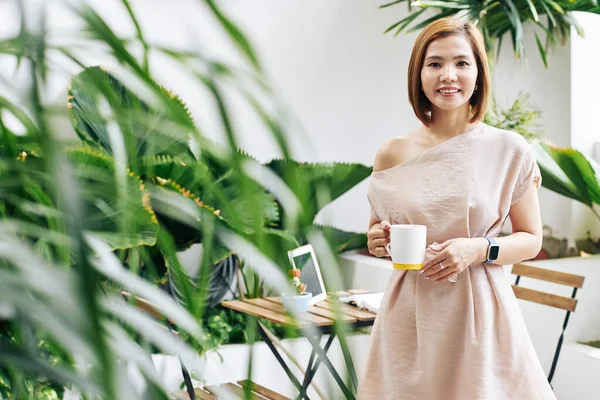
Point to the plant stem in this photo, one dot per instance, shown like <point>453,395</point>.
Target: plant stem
<point>140,35</point>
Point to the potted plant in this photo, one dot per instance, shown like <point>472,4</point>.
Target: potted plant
<point>299,300</point>
<point>495,19</point>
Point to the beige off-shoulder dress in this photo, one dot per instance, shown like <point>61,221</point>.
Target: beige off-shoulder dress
<point>465,340</point>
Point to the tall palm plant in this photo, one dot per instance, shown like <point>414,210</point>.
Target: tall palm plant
<point>71,216</point>
<point>155,150</point>
<point>552,18</point>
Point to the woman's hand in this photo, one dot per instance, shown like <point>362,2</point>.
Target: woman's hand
<point>455,255</point>
<point>377,237</point>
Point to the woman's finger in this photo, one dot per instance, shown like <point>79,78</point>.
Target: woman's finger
<point>440,258</point>
<point>376,233</point>
<point>380,242</point>
<point>373,244</point>
<point>379,252</point>
<point>380,229</point>
<point>439,271</point>
<point>444,274</point>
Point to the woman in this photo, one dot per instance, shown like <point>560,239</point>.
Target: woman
<point>453,330</point>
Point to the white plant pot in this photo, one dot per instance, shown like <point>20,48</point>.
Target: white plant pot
<point>295,303</point>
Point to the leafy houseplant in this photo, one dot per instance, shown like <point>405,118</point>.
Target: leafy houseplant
<point>521,117</point>
<point>164,161</point>
<point>498,18</point>
<point>144,184</point>
<point>568,172</point>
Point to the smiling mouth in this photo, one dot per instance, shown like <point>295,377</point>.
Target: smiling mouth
<point>448,91</point>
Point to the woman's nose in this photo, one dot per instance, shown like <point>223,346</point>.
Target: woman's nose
<point>448,74</point>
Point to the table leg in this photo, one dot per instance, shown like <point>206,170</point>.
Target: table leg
<point>278,357</point>
<point>307,375</point>
<point>348,359</point>
<point>312,370</point>
<point>323,356</point>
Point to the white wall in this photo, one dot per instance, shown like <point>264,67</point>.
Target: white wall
<point>585,85</point>
<point>585,105</point>
<point>579,370</point>
<point>549,90</point>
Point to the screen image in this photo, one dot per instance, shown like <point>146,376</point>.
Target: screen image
<point>494,253</point>
<point>305,263</point>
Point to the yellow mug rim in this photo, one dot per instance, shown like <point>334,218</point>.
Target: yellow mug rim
<point>408,266</point>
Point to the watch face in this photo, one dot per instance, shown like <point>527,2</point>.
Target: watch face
<point>494,250</point>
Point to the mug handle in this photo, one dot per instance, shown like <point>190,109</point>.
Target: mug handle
<point>388,248</point>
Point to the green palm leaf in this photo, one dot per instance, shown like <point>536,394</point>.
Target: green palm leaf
<point>97,98</point>
<point>497,18</point>
<point>226,194</point>
<point>99,30</point>
<point>17,112</point>
<point>340,240</point>
<point>568,172</point>
<point>318,184</point>
<point>122,222</point>
<point>235,34</point>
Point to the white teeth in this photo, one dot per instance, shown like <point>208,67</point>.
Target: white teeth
<point>448,91</point>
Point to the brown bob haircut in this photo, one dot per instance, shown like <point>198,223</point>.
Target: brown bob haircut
<point>442,28</point>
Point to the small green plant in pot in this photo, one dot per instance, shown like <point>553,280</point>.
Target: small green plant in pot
<point>299,300</point>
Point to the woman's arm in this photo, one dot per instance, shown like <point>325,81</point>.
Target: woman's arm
<point>526,240</point>
<point>524,243</point>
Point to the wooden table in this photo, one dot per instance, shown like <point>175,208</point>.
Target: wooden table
<point>322,316</point>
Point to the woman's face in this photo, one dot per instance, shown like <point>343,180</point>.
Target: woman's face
<point>449,73</point>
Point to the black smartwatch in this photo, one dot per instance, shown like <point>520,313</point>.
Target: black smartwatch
<point>492,251</point>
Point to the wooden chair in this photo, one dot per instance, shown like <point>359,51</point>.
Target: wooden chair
<point>227,391</point>
<point>564,303</point>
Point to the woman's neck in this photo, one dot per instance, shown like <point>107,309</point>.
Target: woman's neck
<point>447,124</point>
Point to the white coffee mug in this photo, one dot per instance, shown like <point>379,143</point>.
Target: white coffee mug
<point>407,245</point>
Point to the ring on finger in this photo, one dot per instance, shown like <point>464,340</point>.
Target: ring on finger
<point>442,266</point>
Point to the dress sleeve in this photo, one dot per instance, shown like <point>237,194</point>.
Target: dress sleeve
<point>372,208</point>
<point>529,173</point>
<point>373,198</point>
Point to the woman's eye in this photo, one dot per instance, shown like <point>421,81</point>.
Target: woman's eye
<point>434,64</point>
<point>462,64</point>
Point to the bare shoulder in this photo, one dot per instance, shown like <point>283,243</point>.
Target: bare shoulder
<point>397,150</point>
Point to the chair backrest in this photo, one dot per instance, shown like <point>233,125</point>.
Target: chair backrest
<point>564,303</point>
<point>143,305</point>
<point>548,299</point>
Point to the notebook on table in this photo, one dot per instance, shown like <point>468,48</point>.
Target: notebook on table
<point>367,301</point>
